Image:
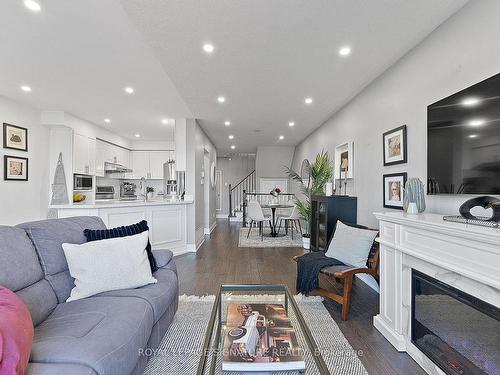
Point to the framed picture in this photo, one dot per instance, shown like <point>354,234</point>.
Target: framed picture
<point>15,168</point>
<point>395,146</point>
<point>344,160</point>
<point>394,189</point>
<point>15,137</point>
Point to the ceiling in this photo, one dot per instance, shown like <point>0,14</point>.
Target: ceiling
<point>269,56</point>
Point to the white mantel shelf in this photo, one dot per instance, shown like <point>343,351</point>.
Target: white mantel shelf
<point>465,256</point>
<point>117,203</point>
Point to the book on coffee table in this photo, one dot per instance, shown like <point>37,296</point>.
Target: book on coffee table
<point>260,337</point>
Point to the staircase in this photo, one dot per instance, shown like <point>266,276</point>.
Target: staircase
<point>237,195</point>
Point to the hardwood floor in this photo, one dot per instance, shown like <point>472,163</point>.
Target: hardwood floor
<point>219,260</point>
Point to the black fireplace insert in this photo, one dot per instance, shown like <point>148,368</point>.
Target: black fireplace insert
<point>458,332</point>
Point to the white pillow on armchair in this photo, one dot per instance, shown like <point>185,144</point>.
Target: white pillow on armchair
<point>351,245</point>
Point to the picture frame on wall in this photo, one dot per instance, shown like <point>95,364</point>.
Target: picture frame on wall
<point>15,168</point>
<point>395,146</point>
<point>15,137</point>
<point>344,161</point>
<point>394,190</point>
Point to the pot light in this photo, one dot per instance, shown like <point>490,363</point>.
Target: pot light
<point>129,90</point>
<point>26,88</point>
<point>470,102</point>
<point>221,99</point>
<point>227,123</point>
<point>231,136</point>
<point>291,123</point>
<point>282,137</point>
<point>164,121</point>
<point>308,100</point>
<point>137,135</point>
<point>477,122</point>
<point>233,147</point>
<point>107,120</point>
<point>473,136</point>
<point>32,5</point>
<point>208,48</point>
<point>344,51</point>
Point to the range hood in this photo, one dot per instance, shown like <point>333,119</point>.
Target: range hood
<point>115,168</point>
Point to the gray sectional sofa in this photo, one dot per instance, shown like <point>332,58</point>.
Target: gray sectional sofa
<point>103,334</point>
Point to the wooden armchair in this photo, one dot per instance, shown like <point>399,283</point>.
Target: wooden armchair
<point>345,274</point>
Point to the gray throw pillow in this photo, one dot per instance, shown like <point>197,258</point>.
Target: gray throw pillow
<point>351,245</point>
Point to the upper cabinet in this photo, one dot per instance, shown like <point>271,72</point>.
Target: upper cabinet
<point>149,164</point>
<point>84,154</point>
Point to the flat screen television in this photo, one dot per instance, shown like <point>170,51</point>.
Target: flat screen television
<point>463,141</point>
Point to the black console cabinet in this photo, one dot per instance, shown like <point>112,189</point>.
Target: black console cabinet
<point>325,211</point>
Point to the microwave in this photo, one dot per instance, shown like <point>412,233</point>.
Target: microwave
<point>82,182</point>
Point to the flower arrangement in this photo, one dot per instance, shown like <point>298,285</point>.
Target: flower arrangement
<point>275,192</point>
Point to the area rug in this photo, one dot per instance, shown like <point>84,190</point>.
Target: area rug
<point>254,240</point>
<point>179,351</point>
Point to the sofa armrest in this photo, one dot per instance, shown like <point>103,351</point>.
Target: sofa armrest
<point>162,257</point>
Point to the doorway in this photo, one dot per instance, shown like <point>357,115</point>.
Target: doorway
<point>206,191</point>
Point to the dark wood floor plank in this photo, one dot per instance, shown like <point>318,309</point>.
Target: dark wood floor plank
<point>219,260</point>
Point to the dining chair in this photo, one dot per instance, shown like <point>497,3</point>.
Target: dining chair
<point>256,215</point>
<point>294,218</point>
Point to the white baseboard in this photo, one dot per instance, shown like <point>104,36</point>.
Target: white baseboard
<point>191,248</point>
<point>221,216</point>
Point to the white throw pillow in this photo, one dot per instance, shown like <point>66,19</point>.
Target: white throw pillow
<point>111,264</point>
<point>351,245</point>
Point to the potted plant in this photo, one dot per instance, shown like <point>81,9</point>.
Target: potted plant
<point>312,182</point>
<point>149,192</point>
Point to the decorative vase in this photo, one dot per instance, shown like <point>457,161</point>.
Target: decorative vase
<point>328,189</point>
<point>306,242</point>
<point>414,193</point>
<point>412,208</point>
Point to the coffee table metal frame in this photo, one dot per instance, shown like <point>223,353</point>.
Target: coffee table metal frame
<point>216,317</point>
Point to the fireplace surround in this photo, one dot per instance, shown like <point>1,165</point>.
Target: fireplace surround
<point>424,259</point>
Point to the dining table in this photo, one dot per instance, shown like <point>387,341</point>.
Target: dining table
<point>274,207</point>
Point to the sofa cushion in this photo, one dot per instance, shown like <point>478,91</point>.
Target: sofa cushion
<point>20,271</point>
<point>59,368</point>
<point>48,237</point>
<point>102,333</point>
<point>160,296</point>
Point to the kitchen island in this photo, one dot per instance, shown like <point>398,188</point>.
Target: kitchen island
<point>166,218</point>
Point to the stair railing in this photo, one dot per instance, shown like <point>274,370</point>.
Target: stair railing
<point>236,193</point>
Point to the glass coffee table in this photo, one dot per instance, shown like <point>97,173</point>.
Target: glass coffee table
<point>211,356</point>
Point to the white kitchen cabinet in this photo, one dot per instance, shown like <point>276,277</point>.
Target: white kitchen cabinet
<point>100,158</point>
<point>149,164</point>
<point>84,154</point>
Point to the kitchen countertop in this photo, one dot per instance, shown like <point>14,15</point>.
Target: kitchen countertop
<point>115,203</point>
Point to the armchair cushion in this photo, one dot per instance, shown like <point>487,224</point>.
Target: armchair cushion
<point>351,245</point>
<point>162,257</point>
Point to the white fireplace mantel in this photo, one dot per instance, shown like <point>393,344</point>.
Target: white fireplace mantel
<point>464,256</point>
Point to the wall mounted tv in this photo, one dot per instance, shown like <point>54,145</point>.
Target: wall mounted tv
<point>463,141</point>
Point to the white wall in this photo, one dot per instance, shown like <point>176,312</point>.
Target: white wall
<point>24,200</point>
<point>461,52</point>
<point>272,160</point>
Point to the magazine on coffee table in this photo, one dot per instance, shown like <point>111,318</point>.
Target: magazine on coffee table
<point>260,337</point>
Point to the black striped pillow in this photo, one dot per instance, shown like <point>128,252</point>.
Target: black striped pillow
<point>129,230</point>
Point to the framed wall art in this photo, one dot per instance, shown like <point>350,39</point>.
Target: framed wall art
<point>395,143</point>
<point>394,190</point>
<point>15,168</point>
<point>344,161</point>
<point>15,137</point>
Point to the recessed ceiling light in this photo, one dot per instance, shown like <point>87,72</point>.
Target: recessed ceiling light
<point>233,147</point>
<point>227,123</point>
<point>291,123</point>
<point>137,135</point>
<point>470,102</point>
<point>282,137</point>
<point>231,136</point>
<point>477,122</point>
<point>107,120</point>
<point>208,48</point>
<point>25,88</point>
<point>129,90</point>
<point>164,121</point>
<point>229,159</point>
<point>32,5</point>
<point>308,100</point>
<point>221,99</point>
<point>344,51</point>
<point>473,136</point>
